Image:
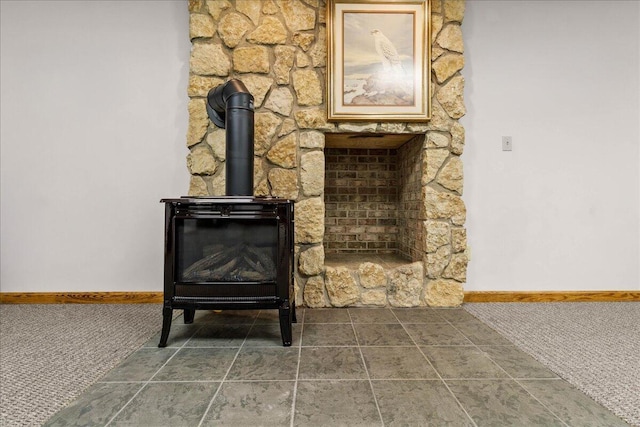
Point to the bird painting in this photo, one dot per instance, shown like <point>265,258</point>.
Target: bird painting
<point>387,52</point>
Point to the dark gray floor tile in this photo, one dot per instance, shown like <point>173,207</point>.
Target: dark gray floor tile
<point>418,315</point>
<point>418,403</point>
<point>268,335</point>
<point>268,316</point>
<point>372,315</point>
<point>570,404</point>
<point>178,335</point>
<point>517,363</point>
<point>397,363</point>
<point>455,315</point>
<point>197,364</point>
<point>481,334</point>
<point>96,406</point>
<point>326,315</point>
<point>436,334</point>
<point>252,404</point>
<point>141,365</point>
<point>168,404</point>
<point>382,334</point>
<point>265,363</point>
<point>225,316</point>
<point>462,362</point>
<point>219,335</point>
<point>501,403</point>
<point>337,334</point>
<point>331,363</point>
<point>335,403</point>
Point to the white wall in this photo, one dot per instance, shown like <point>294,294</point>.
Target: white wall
<point>93,125</point>
<point>561,211</point>
<point>93,118</point>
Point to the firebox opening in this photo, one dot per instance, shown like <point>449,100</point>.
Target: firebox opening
<point>372,199</point>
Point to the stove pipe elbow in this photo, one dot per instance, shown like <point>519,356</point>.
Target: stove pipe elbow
<point>230,107</point>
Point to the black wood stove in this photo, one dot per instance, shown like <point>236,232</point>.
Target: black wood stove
<point>228,253</point>
<point>233,251</point>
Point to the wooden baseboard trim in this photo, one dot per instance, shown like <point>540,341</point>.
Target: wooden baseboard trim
<point>156,297</point>
<point>81,297</point>
<point>577,296</point>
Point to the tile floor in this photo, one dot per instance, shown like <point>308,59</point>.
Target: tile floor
<point>346,367</point>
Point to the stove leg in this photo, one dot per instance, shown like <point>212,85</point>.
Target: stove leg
<point>189,314</point>
<point>285,324</point>
<point>167,314</point>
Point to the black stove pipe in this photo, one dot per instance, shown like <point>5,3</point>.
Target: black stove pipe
<point>230,106</point>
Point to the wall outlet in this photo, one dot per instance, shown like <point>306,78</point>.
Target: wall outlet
<point>507,143</point>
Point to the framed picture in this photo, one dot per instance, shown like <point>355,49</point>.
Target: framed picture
<point>379,60</point>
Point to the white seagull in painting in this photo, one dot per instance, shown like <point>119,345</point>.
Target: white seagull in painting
<point>387,52</point>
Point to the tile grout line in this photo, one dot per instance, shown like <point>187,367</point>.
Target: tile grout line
<point>295,384</point>
<point>146,383</point>
<point>436,371</point>
<point>213,398</point>
<point>508,374</point>
<point>373,393</point>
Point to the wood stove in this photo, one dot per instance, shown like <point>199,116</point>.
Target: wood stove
<point>229,252</point>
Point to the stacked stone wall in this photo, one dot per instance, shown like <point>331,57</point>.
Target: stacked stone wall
<point>278,49</point>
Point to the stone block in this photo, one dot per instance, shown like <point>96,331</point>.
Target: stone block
<point>298,16</point>
<point>450,177</point>
<point>280,101</point>
<point>209,59</point>
<point>312,139</point>
<point>270,32</point>
<point>444,293</point>
<point>253,59</point>
<point>450,96</point>
<point>197,186</point>
<point>342,288</point>
<point>285,56</point>
<point>265,128</point>
<point>453,10</point>
<point>250,8</point>
<point>447,65</point>
<point>371,275</point>
<point>258,86</point>
<point>438,234</point>
<point>198,121</point>
<point>312,173</point>
<point>309,216</point>
<point>284,183</point>
<point>201,85</point>
<point>314,292</point>
<point>406,285</point>
<point>450,38</point>
<point>285,152</point>
<point>216,7</point>
<point>374,297</point>
<point>200,161</point>
<point>436,262</point>
<point>432,162</point>
<point>311,261</point>
<point>200,25</point>
<point>308,89</point>
<point>457,268</point>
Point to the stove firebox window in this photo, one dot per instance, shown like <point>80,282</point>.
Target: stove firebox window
<point>226,250</point>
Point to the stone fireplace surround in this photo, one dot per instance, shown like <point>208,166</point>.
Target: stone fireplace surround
<point>399,240</point>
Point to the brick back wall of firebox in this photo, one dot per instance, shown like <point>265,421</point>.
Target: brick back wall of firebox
<point>361,201</point>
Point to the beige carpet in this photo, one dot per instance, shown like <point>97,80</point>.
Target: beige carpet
<point>594,346</point>
<point>50,353</point>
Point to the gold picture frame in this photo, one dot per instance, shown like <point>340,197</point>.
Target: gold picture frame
<point>378,60</point>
